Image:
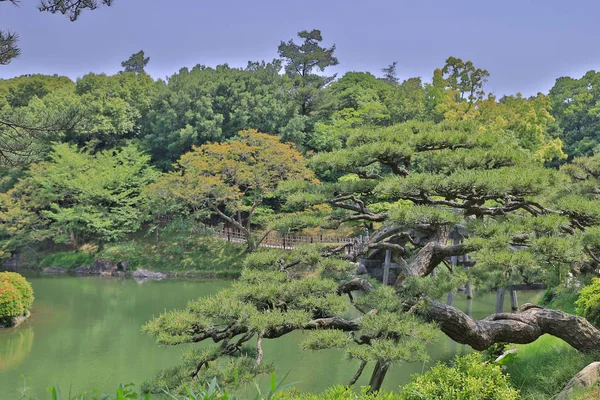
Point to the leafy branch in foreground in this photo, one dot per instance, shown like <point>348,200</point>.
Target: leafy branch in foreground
<point>267,304</point>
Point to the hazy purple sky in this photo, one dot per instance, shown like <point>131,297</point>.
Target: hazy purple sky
<point>524,44</point>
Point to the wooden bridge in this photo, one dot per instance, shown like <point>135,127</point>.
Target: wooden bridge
<point>274,240</point>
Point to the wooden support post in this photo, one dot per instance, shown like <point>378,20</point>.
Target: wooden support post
<point>455,260</point>
<point>469,291</point>
<point>450,299</point>
<point>514,303</point>
<point>500,300</point>
<point>469,307</point>
<point>386,267</point>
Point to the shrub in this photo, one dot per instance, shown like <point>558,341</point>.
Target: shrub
<point>24,287</point>
<point>588,303</point>
<point>468,378</point>
<point>11,301</point>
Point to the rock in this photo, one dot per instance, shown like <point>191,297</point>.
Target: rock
<point>505,354</point>
<point>145,274</point>
<point>360,268</point>
<point>587,377</point>
<point>119,274</point>
<point>83,270</point>
<point>55,271</point>
<point>123,265</point>
<point>103,266</point>
<point>13,322</point>
<point>12,264</point>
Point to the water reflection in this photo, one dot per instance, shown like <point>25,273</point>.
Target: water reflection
<point>15,346</point>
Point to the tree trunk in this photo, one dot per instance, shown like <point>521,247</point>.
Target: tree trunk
<point>524,326</point>
<point>74,240</point>
<point>250,245</point>
<point>381,369</point>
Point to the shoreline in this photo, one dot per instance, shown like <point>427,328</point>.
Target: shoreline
<point>130,274</point>
<point>14,322</point>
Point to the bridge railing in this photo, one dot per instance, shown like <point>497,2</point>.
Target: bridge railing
<point>275,240</point>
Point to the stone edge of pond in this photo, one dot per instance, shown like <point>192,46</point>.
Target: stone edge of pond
<point>140,273</point>
<point>14,322</point>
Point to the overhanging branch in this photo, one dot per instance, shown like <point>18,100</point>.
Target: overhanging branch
<point>524,326</point>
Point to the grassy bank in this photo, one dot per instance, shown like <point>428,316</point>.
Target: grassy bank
<point>179,250</point>
<point>542,369</point>
<point>181,255</point>
<point>67,260</point>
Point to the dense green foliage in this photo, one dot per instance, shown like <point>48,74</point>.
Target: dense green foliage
<point>575,106</point>
<point>467,378</point>
<point>78,197</point>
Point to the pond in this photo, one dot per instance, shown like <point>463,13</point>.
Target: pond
<point>84,333</point>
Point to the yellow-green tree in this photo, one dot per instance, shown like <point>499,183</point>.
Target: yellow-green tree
<point>232,179</point>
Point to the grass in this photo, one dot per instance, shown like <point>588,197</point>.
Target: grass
<point>180,253</point>
<point>65,259</point>
<point>542,369</point>
<point>561,299</point>
<point>181,249</point>
<point>592,393</point>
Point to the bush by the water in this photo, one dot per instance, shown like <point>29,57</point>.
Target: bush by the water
<point>16,296</point>
<point>467,378</point>
<point>66,259</point>
<point>24,287</point>
<point>588,303</point>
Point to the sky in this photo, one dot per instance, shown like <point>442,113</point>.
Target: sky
<point>524,44</point>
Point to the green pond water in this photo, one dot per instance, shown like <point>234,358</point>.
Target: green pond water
<point>84,333</point>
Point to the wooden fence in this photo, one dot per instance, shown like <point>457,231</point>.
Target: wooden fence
<point>277,241</point>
